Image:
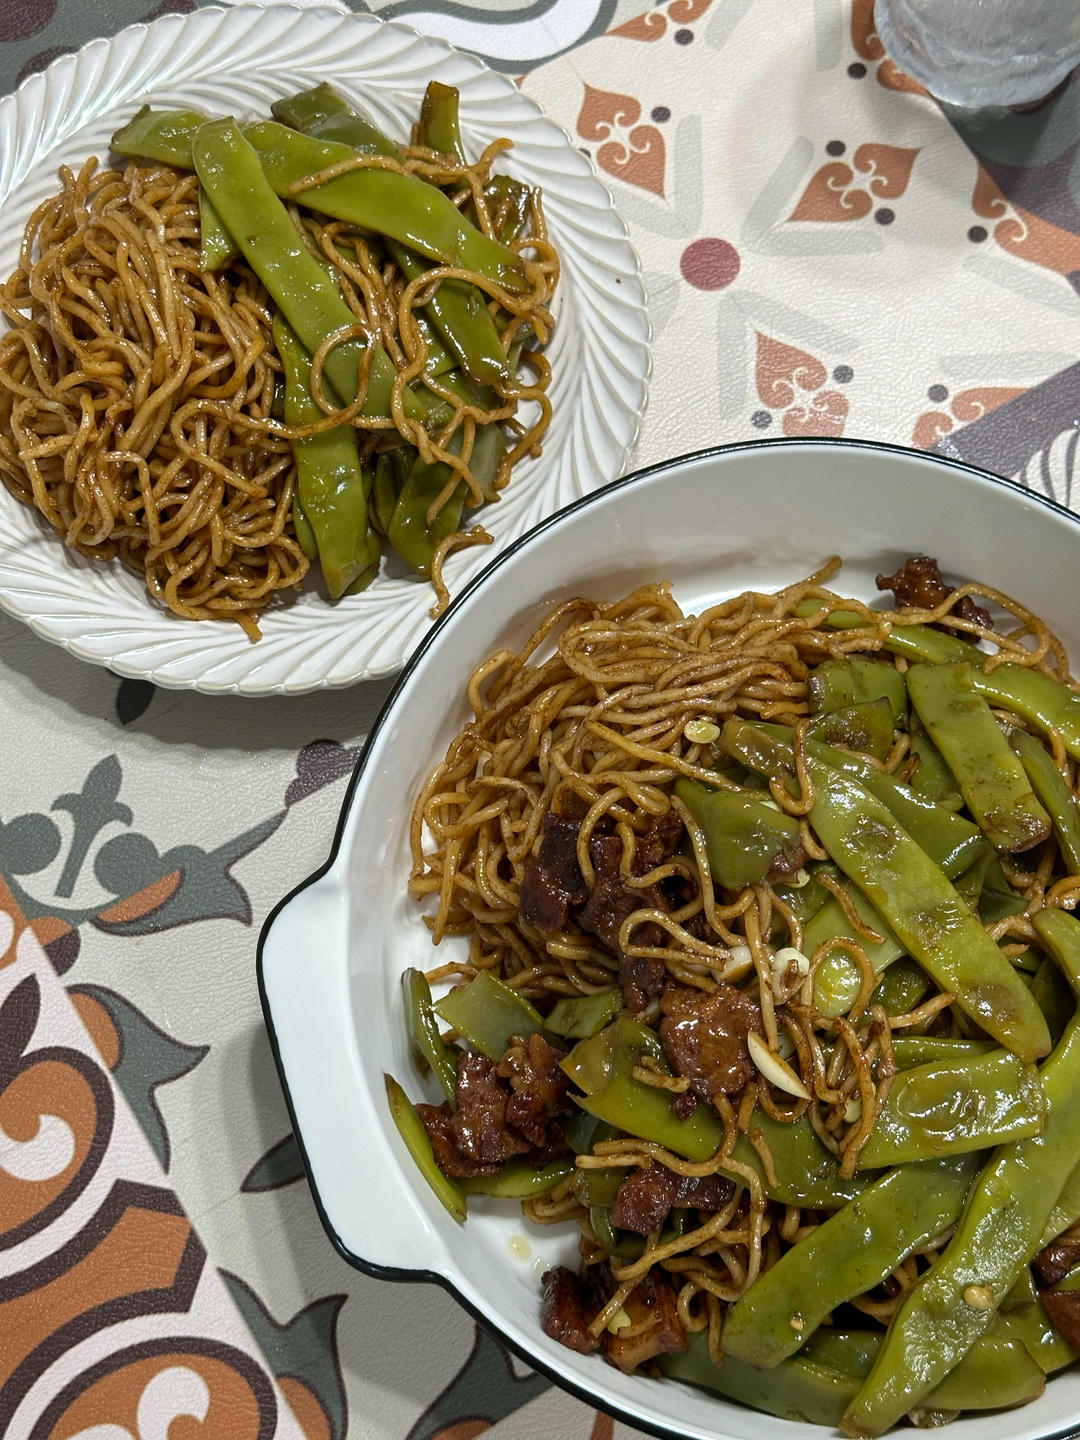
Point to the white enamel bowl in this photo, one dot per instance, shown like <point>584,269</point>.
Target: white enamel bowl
<point>331,955</point>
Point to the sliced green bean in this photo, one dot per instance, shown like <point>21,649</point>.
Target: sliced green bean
<point>623,1244</point>
<point>836,684</point>
<point>216,246</point>
<point>744,836</point>
<point>470,392</point>
<point>645,1111</point>
<point>866,728</point>
<point>440,358</point>
<point>384,491</point>
<point>364,579</point>
<point>326,115</point>
<point>1053,790</point>
<point>1022,1295</point>
<point>1053,995</point>
<point>303,290</point>
<point>849,1254</point>
<point>1037,697</point>
<point>931,778</point>
<point>602,1066</point>
<point>387,201</point>
<point>1066,1211</point>
<point>459,312</point>
<point>576,1017</point>
<point>913,642</point>
<point>990,776</point>
<point>996,1373</point>
<point>803,1171</point>
<point>910,1050</point>
<point>969,884</point>
<point>424,1036</point>
<point>457,309</point>
<point>597,1187</point>
<point>508,201</point>
<point>330,482</point>
<point>617,1047</point>
<point>1059,932</point>
<point>439,127</point>
<point>164,135</point>
<point>594,1185</point>
<point>923,910</point>
<point>414,1133</point>
<point>901,987</point>
<point>1027,960</point>
<point>955,1302</point>
<point>806,894</point>
<point>986,891</point>
<point>408,532</point>
<point>838,978</point>
<point>1033,1328</point>
<point>626,1244</point>
<point>951,841</point>
<point>305,535</point>
<point>486,1013</point>
<point>796,1389</point>
<point>951,1107</point>
<point>519,1179</point>
<point>584,1132</point>
<point>851,1352</point>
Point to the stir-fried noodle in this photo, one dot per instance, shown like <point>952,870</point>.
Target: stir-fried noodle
<point>597,716</point>
<point>137,392</point>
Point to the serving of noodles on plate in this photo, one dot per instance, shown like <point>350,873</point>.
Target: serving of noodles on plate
<point>125,381</point>
<point>140,393</point>
<point>675,1015</point>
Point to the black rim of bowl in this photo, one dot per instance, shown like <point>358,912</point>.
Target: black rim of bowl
<point>431,1277</point>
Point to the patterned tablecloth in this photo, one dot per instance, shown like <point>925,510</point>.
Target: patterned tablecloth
<point>826,253</point>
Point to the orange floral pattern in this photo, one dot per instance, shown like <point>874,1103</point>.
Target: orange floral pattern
<point>1023,233</point>
<point>868,47</point>
<point>653,24</point>
<point>968,405</point>
<point>837,192</point>
<point>213,1385</point>
<point>633,153</point>
<point>793,382</point>
<point>91,1238</point>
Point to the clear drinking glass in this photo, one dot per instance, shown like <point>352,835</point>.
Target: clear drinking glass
<point>975,53</point>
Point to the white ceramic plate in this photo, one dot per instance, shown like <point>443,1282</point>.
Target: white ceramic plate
<point>755,516</point>
<point>239,60</point>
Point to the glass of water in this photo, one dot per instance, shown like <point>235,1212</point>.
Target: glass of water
<point>975,53</point>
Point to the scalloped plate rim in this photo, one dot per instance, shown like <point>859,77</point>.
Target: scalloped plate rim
<point>30,600</point>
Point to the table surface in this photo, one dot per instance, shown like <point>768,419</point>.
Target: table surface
<point>826,253</point>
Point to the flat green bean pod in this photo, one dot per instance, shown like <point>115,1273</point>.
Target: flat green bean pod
<point>924,911</point>
<point>991,778</point>
<point>851,1253</point>
<point>956,1300</point>
<point>331,485</point>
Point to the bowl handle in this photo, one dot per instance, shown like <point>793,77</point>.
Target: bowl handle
<point>370,1197</point>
